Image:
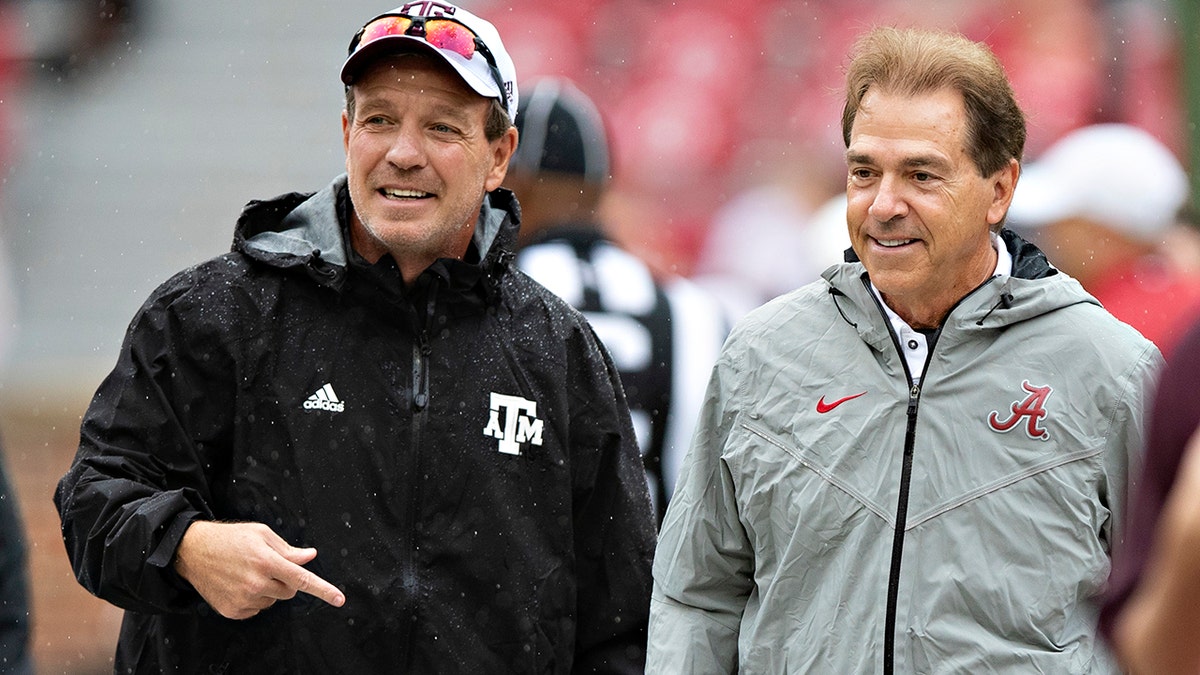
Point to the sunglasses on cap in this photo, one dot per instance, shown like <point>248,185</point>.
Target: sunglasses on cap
<point>441,32</point>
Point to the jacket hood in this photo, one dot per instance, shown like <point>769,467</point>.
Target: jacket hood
<point>305,231</point>
<point>1034,288</point>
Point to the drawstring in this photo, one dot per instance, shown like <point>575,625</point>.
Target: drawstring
<point>1006,299</point>
<point>834,293</point>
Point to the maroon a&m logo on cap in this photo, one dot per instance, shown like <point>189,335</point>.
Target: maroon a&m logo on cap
<point>428,9</point>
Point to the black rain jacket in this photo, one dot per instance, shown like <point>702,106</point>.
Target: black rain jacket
<point>459,452</point>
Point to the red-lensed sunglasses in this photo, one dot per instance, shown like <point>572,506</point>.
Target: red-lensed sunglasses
<point>441,32</point>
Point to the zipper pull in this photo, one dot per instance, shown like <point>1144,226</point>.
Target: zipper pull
<point>423,341</point>
<point>421,371</point>
<point>913,395</point>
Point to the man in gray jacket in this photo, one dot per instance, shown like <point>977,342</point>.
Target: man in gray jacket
<point>917,463</point>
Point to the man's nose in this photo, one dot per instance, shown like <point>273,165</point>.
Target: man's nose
<point>406,150</point>
<point>889,200</point>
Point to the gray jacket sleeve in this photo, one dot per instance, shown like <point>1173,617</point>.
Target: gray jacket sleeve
<point>1126,439</point>
<point>703,568</point>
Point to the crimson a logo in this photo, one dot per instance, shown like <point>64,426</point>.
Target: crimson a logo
<point>1031,409</point>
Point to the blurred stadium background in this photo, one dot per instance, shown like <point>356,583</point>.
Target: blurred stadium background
<point>132,132</point>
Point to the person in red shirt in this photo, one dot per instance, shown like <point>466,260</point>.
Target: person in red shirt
<point>1102,202</point>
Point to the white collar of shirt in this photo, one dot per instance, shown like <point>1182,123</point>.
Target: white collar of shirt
<point>913,344</point>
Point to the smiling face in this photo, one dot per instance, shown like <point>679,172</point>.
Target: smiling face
<point>918,212</point>
<point>418,161</point>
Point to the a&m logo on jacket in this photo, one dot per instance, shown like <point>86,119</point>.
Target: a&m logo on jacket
<point>514,421</point>
<point>1030,409</point>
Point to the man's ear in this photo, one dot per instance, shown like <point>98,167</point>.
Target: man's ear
<point>502,152</point>
<point>1004,183</point>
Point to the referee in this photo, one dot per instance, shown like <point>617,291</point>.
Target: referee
<point>663,333</point>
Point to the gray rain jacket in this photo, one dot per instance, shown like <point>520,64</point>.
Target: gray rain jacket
<point>833,518</point>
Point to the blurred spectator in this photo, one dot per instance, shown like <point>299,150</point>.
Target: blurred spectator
<point>762,242</point>
<point>11,75</point>
<point>15,655</point>
<point>663,334</point>
<point>1100,202</point>
<point>1182,242</point>
<point>1151,611</point>
<point>62,37</point>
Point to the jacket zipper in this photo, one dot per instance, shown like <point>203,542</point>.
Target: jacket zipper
<point>421,351</point>
<point>889,626</point>
<point>910,435</point>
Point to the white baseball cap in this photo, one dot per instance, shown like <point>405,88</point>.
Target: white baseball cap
<point>1115,174</point>
<point>468,43</point>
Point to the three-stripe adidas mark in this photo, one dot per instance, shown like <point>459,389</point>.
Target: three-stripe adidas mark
<point>324,399</point>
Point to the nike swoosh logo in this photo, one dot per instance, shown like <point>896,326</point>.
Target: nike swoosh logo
<point>823,407</point>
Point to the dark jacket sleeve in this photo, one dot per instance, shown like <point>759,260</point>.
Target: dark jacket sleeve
<point>154,434</point>
<point>614,527</point>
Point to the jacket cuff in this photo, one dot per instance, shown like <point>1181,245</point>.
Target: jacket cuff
<point>164,554</point>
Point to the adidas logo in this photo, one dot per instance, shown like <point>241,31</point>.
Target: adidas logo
<point>324,399</point>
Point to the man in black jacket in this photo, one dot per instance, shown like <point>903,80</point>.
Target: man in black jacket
<point>362,441</point>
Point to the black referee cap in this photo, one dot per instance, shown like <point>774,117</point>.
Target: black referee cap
<point>561,131</point>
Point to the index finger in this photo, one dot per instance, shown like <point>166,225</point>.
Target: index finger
<point>305,581</point>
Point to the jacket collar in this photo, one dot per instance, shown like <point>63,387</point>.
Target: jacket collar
<point>1034,288</point>
<point>1028,260</point>
<point>305,231</point>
